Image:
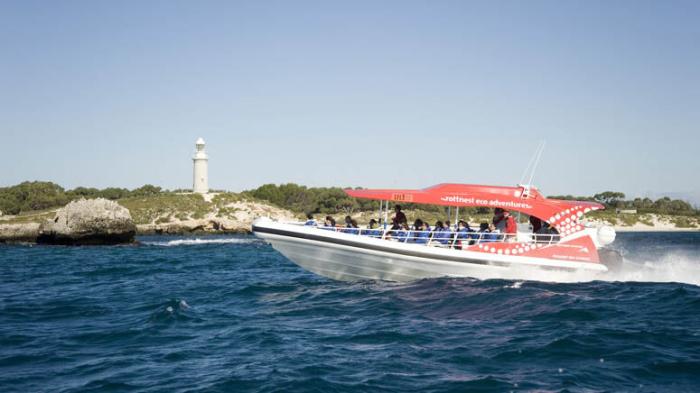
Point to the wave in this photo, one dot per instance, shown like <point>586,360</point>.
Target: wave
<point>672,267</point>
<point>198,241</point>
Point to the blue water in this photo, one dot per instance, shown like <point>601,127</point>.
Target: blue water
<point>231,314</point>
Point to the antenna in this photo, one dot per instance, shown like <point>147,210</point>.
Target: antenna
<point>532,167</point>
<point>537,161</point>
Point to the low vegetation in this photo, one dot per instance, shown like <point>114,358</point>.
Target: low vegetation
<point>41,195</point>
<point>616,201</point>
<point>166,207</point>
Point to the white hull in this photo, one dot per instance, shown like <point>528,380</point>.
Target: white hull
<point>349,257</point>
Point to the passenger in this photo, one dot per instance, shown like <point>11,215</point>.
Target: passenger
<point>400,218</point>
<point>536,224</point>
<point>422,235</point>
<point>499,220</point>
<point>490,233</point>
<point>483,232</point>
<point>351,226</point>
<point>373,229</point>
<point>415,230</point>
<point>434,234</point>
<point>417,224</point>
<point>543,234</point>
<point>504,222</point>
<point>354,227</point>
<point>403,233</point>
<point>495,234</point>
<point>555,234</point>
<point>329,223</point>
<point>393,233</point>
<point>444,235</point>
<point>310,221</point>
<point>464,234</point>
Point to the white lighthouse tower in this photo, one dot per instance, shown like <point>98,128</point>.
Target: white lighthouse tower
<point>200,182</point>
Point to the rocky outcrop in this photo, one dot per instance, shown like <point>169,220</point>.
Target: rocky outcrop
<point>88,222</point>
<point>19,233</point>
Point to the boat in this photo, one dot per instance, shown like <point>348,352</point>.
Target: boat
<point>572,250</point>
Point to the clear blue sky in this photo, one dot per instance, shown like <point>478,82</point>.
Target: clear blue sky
<point>375,94</point>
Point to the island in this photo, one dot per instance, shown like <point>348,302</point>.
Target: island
<point>28,209</point>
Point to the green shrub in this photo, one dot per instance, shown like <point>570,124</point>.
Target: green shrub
<point>683,222</point>
<point>27,196</point>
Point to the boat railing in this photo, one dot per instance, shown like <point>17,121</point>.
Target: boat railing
<point>444,238</point>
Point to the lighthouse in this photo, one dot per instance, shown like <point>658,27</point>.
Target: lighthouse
<point>200,160</point>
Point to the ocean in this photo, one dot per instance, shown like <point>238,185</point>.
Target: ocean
<point>230,314</point>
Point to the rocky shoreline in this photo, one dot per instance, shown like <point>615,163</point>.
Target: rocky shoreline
<point>100,221</point>
<point>29,233</point>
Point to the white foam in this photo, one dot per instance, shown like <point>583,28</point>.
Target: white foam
<point>198,241</point>
<point>680,268</point>
<point>672,267</point>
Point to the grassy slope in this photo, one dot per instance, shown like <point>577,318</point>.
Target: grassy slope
<point>163,208</point>
<point>170,207</point>
<point>30,216</point>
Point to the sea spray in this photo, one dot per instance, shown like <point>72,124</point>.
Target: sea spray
<point>201,241</point>
<point>672,267</point>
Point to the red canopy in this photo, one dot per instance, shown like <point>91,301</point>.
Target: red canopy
<point>562,214</point>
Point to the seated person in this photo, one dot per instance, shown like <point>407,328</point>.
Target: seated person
<point>464,234</point>
<point>373,229</point>
<point>498,219</point>
<point>555,234</point>
<point>329,223</point>
<point>415,228</point>
<point>543,233</point>
<point>547,234</point>
<point>421,234</point>
<point>495,234</point>
<point>481,233</point>
<point>486,233</point>
<point>351,226</point>
<point>310,221</point>
<point>403,233</point>
<point>390,234</point>
<point>443,236</point>
<point>437,228</point>
<point>536,224</point>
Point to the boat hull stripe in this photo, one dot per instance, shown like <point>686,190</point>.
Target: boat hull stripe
<point>374,247</point>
